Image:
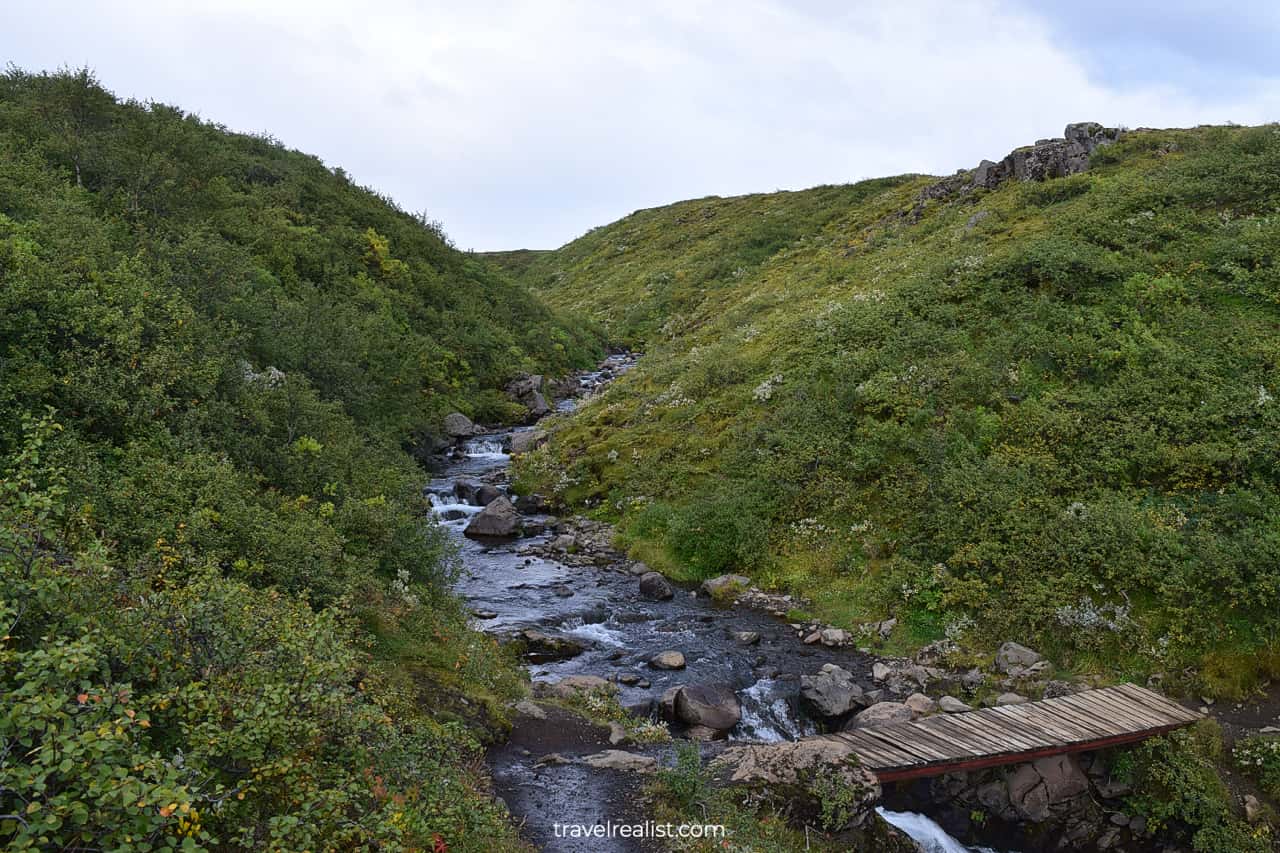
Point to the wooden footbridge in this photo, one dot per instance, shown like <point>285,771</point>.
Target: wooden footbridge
<point>1012,734</point>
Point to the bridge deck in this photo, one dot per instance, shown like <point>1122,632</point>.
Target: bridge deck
<point>1015,733</point>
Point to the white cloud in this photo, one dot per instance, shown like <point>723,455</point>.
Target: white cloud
<point>527,123</point>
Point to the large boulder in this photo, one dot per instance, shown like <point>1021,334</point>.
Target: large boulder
<point>498,519</point>
<point>830,693</point>
<point>714,706</point>
<point>797,773</point>
<point>1062,776</point>
<point>725,585</point>
<point>655,586</point>
<point>541,647</point>
<point>537,405</point>
<point>1027,794</point>
<point>458,425</point>
<point>527,389</point>
<point>881,714</point>
<point>485,494</point>
<point>669,659</point>
<point>667,702</point>
<point>1014,657</point>
<point>1055,780</point>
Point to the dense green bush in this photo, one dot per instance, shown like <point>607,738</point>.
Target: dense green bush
<point>227,618</point>
<point>1179,788</point>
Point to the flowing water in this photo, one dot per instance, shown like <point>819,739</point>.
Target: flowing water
<point>602,608</point>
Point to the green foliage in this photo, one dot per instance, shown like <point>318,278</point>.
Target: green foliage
<point>1053,423</point>
<point>1176,785</point>
<point>685,784</point>
<point>227,619</point>
<point>838,802</point>
<point>1260,758</point>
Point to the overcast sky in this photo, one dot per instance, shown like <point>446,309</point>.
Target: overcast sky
<point>523,124</point>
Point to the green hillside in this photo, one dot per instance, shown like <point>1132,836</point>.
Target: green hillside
<point>1041,412</point>
<point>225,619</point>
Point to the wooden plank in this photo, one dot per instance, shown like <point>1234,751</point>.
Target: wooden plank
<point>922,771</point>
<point>944,743</point>
<point>1157,702</point>
<point>1101,720</point>
<point>1084,718</point>
<point>1015,731</point>
<point>1010,731</point>
<point>993,739</point>
<point>1148,718</point>
<point>917,741</point>
<point>1051,728</point>
<point>1070,728</point>
<point>963,743</point>
<point>1117,718</point>
<point>886,754</point>
<point>1048,727</point>
<point>869,753</point>
<point>926,753</point>
<point>1127,707</point>
<point>1095,712</point>
<point>952,725</point>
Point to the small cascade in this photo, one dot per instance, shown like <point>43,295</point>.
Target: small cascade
<point>448,508</point>
<point>768,715</point>
<point>596,632</point>
<point>486,448</point>
<point>925,832</point>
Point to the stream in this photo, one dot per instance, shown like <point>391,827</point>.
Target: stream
<point>510,589</point>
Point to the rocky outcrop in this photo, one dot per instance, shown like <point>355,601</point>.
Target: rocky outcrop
<point>500,519</point>
<point>921,705</point>
<point>1048,158</point>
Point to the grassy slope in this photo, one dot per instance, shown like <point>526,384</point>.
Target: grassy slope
<point>1042,412</point>
<point>213,353</point>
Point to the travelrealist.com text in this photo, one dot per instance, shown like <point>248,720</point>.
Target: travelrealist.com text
<point>644,829</point>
